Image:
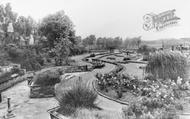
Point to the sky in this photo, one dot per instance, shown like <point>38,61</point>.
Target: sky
<point>110,18</point>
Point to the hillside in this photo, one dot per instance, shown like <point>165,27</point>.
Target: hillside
<point>168,42</point>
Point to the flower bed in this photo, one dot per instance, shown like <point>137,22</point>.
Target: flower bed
<point>82,68</point>
<point>151,95</point>
<point>10,75</point>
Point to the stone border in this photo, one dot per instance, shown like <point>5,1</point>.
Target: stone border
<point>55,115</point>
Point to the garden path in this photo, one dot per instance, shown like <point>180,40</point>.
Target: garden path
<point>89,78</point>
<point>26,108</point>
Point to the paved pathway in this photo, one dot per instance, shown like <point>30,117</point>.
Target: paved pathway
<point>23,106</point>
<point>26,108</point>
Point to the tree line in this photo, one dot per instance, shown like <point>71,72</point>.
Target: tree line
<point>54,35</point>
<point>109,43</point>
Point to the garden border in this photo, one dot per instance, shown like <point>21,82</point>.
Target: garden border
<point>10,83</point>
<point>107,97</point>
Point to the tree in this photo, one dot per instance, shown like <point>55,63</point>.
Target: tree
<point>62,51</point>
<point>117,42</point>
<point>25,26</point>
<point>7,18</point>
<point>99,43</point>
<point>145,49</point>
<point>132,43</point>
<point>58,29</point>
<point>138,41</point>
<point>89,41</point>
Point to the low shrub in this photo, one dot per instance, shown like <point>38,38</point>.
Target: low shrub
<point>92,55</point>
<point>14,52</point>
<point>79,96</point>
<point>98,64</point>
<point>30,64</point>
<point>126,58</point>
<point>47,78</point>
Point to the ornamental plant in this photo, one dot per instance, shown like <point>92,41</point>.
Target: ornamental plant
<point>79,96</point>
<point>170,64</point>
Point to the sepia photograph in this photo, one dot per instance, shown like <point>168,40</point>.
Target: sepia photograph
<point>94,59</point>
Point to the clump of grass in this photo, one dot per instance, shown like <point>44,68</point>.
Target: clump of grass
<point>79,96</point>
<point>168,64</point>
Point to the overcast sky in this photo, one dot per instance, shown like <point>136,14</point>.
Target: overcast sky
<point>110,18</point>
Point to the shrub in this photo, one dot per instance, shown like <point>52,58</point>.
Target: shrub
<point>40,60</point>
<point>92,55</point>
<point>126,58</point>
<point>79,96</point>
<point>98,64</point>
<point>167,65</point>
<point>47,78</point>
<point>25,56</point>
<point>13,51</point>
<point>150,77</point>
<point>30,64</point>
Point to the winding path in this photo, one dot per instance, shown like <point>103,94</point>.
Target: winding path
<point>26,108</point>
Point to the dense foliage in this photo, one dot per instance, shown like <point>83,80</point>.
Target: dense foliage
<point>27,57</point>
<point>47,78</point>
<point>167,65</point>
<point>155,95</point>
